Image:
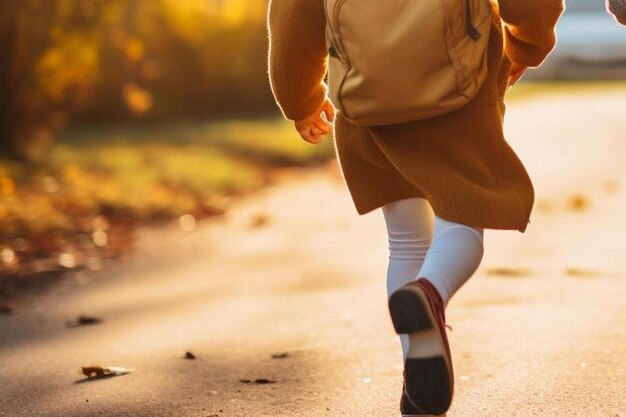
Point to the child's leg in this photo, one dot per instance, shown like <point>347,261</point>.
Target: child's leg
<point>410,228</point>
<point>448,261</point>
<point>418,316</point>
<point>453,257</point>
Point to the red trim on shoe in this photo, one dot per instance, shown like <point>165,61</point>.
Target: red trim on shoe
<point>431,305</point>
<point>437,307</point>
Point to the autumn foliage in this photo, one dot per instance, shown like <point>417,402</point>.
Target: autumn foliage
<point>109,60</point>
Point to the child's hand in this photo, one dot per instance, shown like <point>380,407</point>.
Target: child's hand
<point>517,71</point>
<point>314,128</point>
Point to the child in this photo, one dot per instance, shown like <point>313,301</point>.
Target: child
<point>440,181</point>
<point>618,9</point>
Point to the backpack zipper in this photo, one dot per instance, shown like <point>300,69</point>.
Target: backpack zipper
<point>332,51</point>
<point>473,32</point>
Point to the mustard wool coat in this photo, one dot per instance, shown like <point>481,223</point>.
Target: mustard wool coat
<point>460,162</point>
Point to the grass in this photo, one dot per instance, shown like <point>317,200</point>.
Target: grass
<point>128,175</point>
<point>150,171</point>
<point>269,141</point>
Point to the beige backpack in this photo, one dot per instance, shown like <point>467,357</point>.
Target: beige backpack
<point>395,61</point>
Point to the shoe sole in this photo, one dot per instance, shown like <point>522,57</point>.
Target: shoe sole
<point>408,313</point>
<point>423,415</point>
<point>427,379</point>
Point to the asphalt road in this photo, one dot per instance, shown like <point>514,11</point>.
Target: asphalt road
<point>539,331</point>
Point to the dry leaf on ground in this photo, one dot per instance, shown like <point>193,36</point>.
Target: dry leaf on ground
<point>282,355</point>
<point>83,321</point>
<point>578,203</point>
<point>508,272</point>
<point>260,381</point>
<point>581,273</point>
<point>259,220</point>
<point>98,372</point>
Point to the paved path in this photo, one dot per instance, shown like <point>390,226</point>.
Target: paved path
<point>294,269</point>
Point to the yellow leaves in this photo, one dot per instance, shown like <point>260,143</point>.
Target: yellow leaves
<point>236,12</point>
<point>65,8</point>
<point>72,173</point>
<point>150,69</point>
<point>112,13</point>
<point>196,20</point>
<point>134,50</point>
<point>189,18</point>
<point>7,186</point>
<point>109,191</point>
<point>71,62</point>
<point>138,100</point>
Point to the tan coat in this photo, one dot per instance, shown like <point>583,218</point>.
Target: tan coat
<point>460,161</point>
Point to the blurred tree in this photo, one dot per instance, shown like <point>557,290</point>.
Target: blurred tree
<point>111,60</point>
<point>26,34</point>
<point>8,29</point>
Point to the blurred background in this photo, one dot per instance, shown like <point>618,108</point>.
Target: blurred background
<point>156,208</point>
<point>123,112</point>
<point>591,45</point>
<point>120,113</point>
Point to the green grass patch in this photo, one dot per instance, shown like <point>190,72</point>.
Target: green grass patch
<point>134,175</point>
<point>146,172</point>
<point>139,182</point>
<point>269,141</point>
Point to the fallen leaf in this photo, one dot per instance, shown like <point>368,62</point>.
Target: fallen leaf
<point>190,356</point>
<point>83,321</point>
<point>507,272</point>
<point>264,381</point>
<point>259,220</point>
<point>581,273</point>
<point>99,372</point>
<point>578,203</point>
<point>260,381</point>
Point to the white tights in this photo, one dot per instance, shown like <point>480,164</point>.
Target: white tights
<point>447,256</point>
